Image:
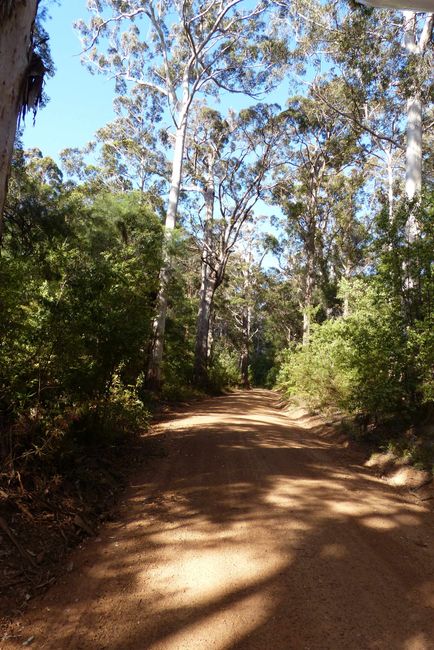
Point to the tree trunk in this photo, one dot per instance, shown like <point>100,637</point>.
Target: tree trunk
<point>206,296</point>
<point>308,294</point>
<point>15,52</point>
<point>209,278</point>
<point>413,176</point>
<point>159,325</point>
<point>245,348</point>
<point>210,336</point>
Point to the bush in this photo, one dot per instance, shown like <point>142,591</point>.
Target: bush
<point>76,315</point>
<point>358,363</point>
<point>224,370</point>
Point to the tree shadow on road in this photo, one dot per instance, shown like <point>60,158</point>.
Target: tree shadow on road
<point>253,533</point>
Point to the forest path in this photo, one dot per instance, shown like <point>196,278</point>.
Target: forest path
<point>254,532</point>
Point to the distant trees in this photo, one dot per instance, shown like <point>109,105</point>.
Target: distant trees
<point>383,61</point>
<point>317,151</point>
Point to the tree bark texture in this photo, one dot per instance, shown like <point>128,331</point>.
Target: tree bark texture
<point>15,52</point>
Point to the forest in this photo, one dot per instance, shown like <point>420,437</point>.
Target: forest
<point>259,213</point>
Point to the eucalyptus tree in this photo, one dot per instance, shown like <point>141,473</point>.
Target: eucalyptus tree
<point>175,50</point>
<point>344,252</point>
<point>130,149</point>
<point>228,165</point>
<point>383,59</point>
<point>417,39</point>
<point>125,154</point>
<point>21,73</point>
<point>319,149</point>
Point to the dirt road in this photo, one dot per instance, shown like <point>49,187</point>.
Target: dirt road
<point>256,533</point>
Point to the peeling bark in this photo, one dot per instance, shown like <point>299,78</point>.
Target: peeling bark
<point>15,55</point>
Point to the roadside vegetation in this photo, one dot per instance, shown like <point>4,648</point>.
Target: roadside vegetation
<point>188,250</point>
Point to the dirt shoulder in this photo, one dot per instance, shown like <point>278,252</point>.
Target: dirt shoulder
<point>252,532</point>
<point>47,510</point>
<point>394,467</point>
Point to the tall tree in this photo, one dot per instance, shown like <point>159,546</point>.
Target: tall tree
<point>229,161</point>
<point>21,73</point>
<point>175,50</point>
<point>126,153</point>
<point>384,62</point>
<point>244,298</point>
<point>318,149</point>
<point>416,41</point>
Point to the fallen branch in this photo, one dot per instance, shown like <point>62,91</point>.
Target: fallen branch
<point>5,528</point>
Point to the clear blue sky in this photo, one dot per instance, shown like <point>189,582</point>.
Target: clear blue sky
<point>79,103</point>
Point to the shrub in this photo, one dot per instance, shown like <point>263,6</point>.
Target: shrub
<point>356,363</point>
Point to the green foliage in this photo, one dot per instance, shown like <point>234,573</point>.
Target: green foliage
<point>78,282</point>
<point>181,319</point>
<point>361,363</point>
<point>319,372</point>
<point>379,359</point>
<point>421,348</point>
<point>224,371</point>
<point>112,416</point>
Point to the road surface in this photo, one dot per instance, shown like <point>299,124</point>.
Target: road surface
<point>255,532</point>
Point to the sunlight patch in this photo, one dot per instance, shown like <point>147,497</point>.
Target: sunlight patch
<point>199,576</point>
<point>379,523</point>
<point>350,508</point>
<point>418,642</point>
<point>336,551</point>
<point>223,629</point>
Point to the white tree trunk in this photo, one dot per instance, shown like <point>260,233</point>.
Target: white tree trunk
<point>208,284</point>
<point>308,293</point>
<point>159,325</point>
<point>15,53</point>
<point>413,176</point>
<point>206,296</point>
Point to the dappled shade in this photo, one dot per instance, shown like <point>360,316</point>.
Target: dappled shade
<point>255,531</point>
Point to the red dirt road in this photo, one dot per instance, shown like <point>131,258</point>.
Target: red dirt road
<point>253,533</point>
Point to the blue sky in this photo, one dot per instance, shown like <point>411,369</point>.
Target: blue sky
<point>79,103</point>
